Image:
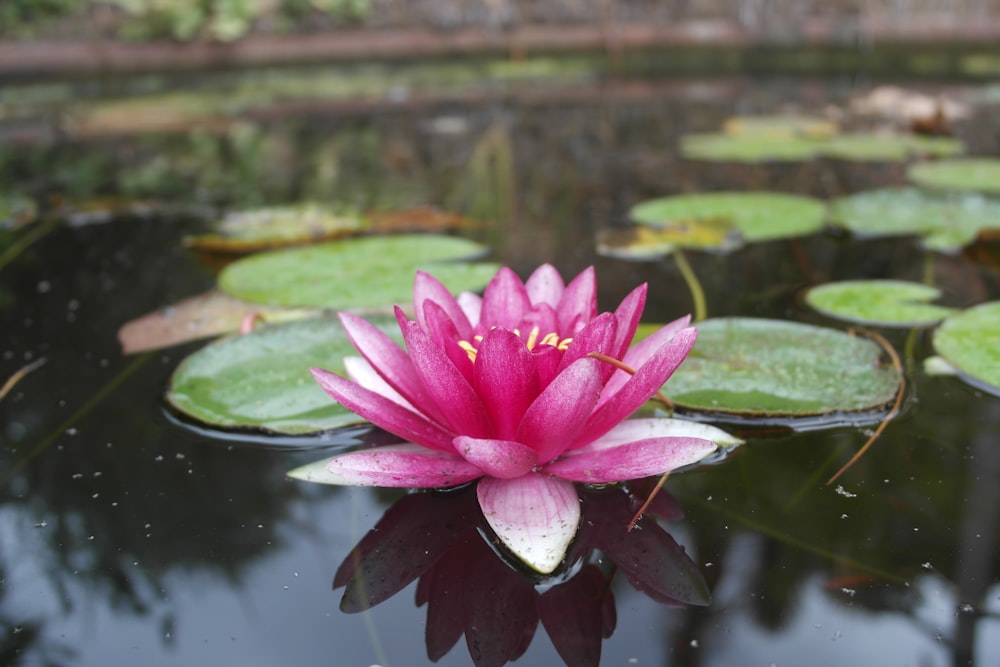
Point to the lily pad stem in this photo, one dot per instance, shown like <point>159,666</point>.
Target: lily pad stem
<point>16,377</point>
<point>898,365</point>
<point>697,293</point>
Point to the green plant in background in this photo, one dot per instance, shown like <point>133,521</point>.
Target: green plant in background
<point>19,17</point>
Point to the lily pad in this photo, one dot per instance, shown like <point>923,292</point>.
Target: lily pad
<point>892,303</point>
<point>970,342</point>
<point>722,147</point>
<point>757,216</point>
<point>781,125</point>
<point>641,242</point>
<point>889,147</point>
<point>362,273</point>
<point>971,175</point>
<point>947,222</point>
<point>258,229</point>
<point>772,369</point>
<point>16,211</point>
<point>261,380</point>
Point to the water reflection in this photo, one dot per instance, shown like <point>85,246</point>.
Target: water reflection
<point>472,587</point>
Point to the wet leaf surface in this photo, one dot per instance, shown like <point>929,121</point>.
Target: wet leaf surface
<point>359,273</point>
<point>771,368</point>
<point>970,342</point>
<point>879,302</point>
<point>261,380</point>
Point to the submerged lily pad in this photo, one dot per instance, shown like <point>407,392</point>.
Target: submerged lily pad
<point>362,273</point>
<point>757,216</point>
<point>889,147</point>
<point>879,302</point>
<point>257,229</point>
<point>972,175</point>
<point>947,222</point>
<point>770,368</point>
<point>970,342</point>
<point>261,380</point>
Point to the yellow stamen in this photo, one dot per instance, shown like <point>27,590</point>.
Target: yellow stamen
<point>550,339</point>
<point>564,343</point>
<point>469,349</point>
<point>532,337</point>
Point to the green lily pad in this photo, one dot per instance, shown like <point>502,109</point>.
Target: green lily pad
<point>773,369</point>
<point>947,222</point>
<point>261,380</point>
<point>642,242</point>
<point>971,175</point>
<point>868,147</point>
<point>362,273</point>
<point>781,125</point>
<point>970,341</point>
<point>722,147</point>
<point>757,216</point>
<point>892,303</point>
<point>257,229</point>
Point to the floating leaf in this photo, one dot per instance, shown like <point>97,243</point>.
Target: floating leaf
<point>889,147</point>
<point>770,368</point>
<point>258,229</point>
<point>355,273</point>
<point>947,222</point>
<point>758,216</point>
<point>780,126</point>
<point>650,242</point>
<point>971,175</point>
<point>879,302</point>
<point>261,380</point>
<point>421,218</point>
<point>970,341</point>
<point>721,147</point>
<point>16,211</point>
<point>209,314</point>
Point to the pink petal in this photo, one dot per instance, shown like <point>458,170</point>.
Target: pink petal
<point>497,458</point>
<point>542,316</point>
<point>545,285</point>
<point>628,313</point>
<point>472,305</point>
<point>640,353</point>
<point>505,378</point>
<point>556,417</point>
<point>534,515</point>
<point>444,334</point>
<point>401,466</point>
<point>630,461</point>
<point>383,412</point>
<point>632,430</point>
<point>547,360</point>
<point>428,288</point>
<point>445,384</point>
<point>597,336</point>
<point>504,301</point>
<point>579,303</point>
<point>362,373</point>
<point>640,387</point>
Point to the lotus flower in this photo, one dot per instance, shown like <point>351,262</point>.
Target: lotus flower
<point>522,389</point>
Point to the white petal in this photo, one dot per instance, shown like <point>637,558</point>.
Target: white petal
<point>631,430</point>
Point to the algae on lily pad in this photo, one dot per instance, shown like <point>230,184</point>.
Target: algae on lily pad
<point>970,342</point>
<point>971,175</point>
<point>258,229</point>
<point>757,216</point>
<point>261,380</point>
<point>947,222</point>
<point>892,303</point>
<point>763,368</point>
<point>869,147</point>
<point>358,273</point>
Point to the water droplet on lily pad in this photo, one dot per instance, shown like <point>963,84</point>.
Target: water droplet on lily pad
<point>893,303</point>
<point>768,369</point>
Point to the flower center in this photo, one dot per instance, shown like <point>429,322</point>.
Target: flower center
<point>550,339</point>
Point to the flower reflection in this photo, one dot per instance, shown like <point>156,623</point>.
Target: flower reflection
<point>473,587</point>
<point>526,389</point>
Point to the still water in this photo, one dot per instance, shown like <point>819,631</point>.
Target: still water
<point>128,538</point>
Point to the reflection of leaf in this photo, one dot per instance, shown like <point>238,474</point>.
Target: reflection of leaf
<point>879,302</point>
<point>202,316</point>
<point>970,341</point>
<point>257,229</point>
<point>355,273</point>
<point>262,380</point>
<point>757,216</point>
<point>771,368</point>
<point>975,175</point>
<point>946,222</point>
<point>649,242</point>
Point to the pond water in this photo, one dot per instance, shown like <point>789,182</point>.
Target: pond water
<point>127,537</point>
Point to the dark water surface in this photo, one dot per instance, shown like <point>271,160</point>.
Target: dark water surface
<point>126,538</point>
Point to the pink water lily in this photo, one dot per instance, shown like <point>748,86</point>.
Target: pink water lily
<point>517,389</point>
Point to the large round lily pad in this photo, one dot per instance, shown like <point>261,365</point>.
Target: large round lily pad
<point>261,380</point>
<point>970,342</point>
<point>361,273</point>
<point>257,229</point>
<point>947,222</point>
<point>771,368</point>
<point>893,303</point>
<point>757,216</point>
<point>780,125</point>
<point>868,147</point>
<point>748,148</point>
<point>974,174</point>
